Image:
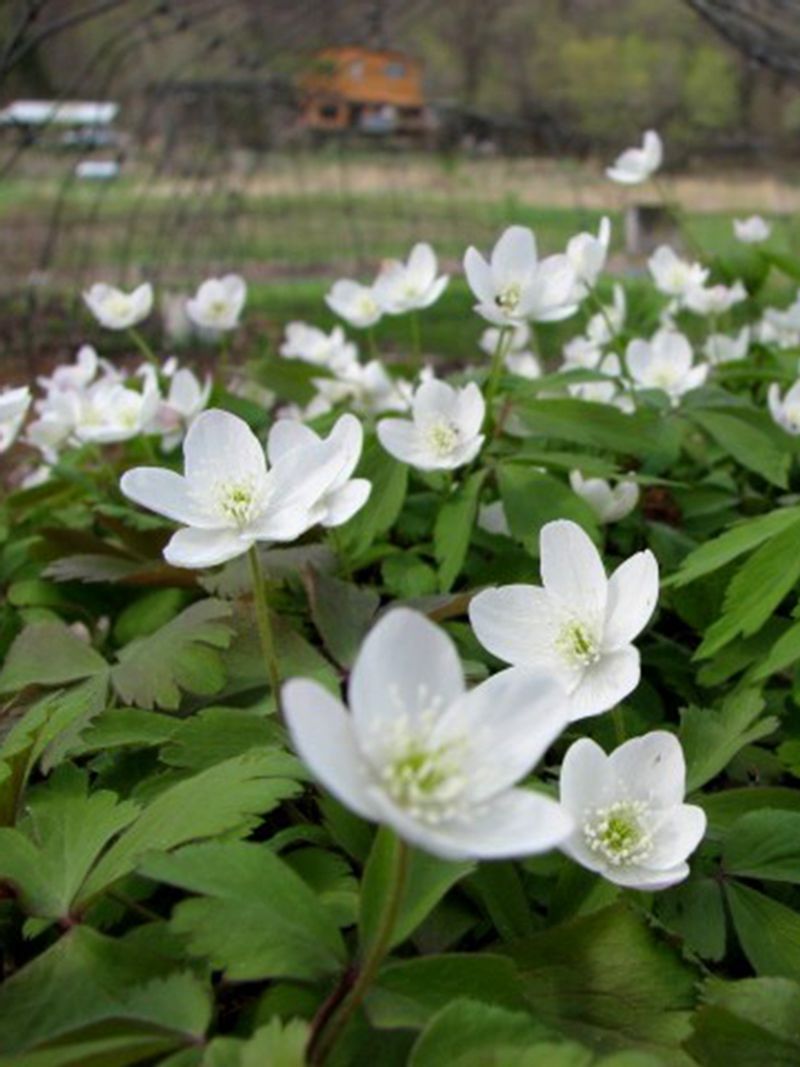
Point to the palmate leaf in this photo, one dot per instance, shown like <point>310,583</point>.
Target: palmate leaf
<point>743,537</point>
<point>453,529</point>
<point>278,1044</point>
<point>220,799</point>
<point>749,437</point>
<point>49,654</point>
<point>766,845</point>
<point>578,976</point>
<point>182,655</point>
<point>256,918</point>
<point>86,979</point>
<point>342,613</point>
<point>711,737</point>
<point>753,1021</point>
<point>755,591</point>
<point>48,858</point>
<point>768,931</point>
<point>43,733</point>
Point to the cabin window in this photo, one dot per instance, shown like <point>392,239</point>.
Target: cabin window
<point>329,111</point>
<point>395,70</point>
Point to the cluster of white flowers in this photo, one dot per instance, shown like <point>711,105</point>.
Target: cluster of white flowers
<point>441,765</point>
<point>398,288</point>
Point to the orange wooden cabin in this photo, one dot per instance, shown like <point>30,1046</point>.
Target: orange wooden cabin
<point>371,91</point>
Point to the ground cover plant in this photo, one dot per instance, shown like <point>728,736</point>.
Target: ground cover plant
<point>411,710</point>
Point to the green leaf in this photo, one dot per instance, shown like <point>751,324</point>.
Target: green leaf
<point>148,613</point>
<point>769,932</point>
<point>467,1033</point>
<point>600,426</point>
<point>531,499</point>
<point>764,844</point>
<point>389,481</point>
<point>577,975</point>
<point>42,733</point>
<point>86,978</point>
<point>48,653</point>
<point>289,379</point>
<point>182,655</point>
<point>124,727</point>
<point>500,889</point>
<point>410,992</point>
<point>695,911</point>
<point>405,575</point>
<point>256,918</point>
<point>725,807</point>
<point>217,800</point>
<point>784,653</point>
<point>453,529</point>
<point>755,591</point>
<point>342,613</point>
<point>752,1021</point>
<point>711,737</point>
<point>741,538</point>
<point>748,440</point>
<point>217,734</point>
<point>427,881</point>
<point>65,832</point>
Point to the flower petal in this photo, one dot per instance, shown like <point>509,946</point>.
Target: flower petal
<point>166,493</point>
<point>518,822</point>
<point>479,276</point>
<point>677,837</point>
<point>572,570</point>
<point>632,598</point>
<point>287,434</point>
<point>342,504</point>
<point>510,721</point>
<point>605,683</point>
<point>652,767</point>
<point>196,549</point>
<point>406,666</point>
<point>220,446</point>
<point>402,440</point>
<point>322,734</point>
<point>584,777</point>
<point>516,623</point>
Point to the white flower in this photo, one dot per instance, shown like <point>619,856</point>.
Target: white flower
<point>720,348</point>
<point>412,285</point>
<point>109,411</point>
<point>444,429</point>
<point>186,398</point>
<point>609,503</point>
<point>117,310</point>
<point>175,318</point>
<point>492,518</point>
<point>55,423</point>
<point>714,299</point>
<point>14,404</point>
<point>75,375</point>
<point>785,410</point>
<point>517,338</point>
<point>312,345</point>
<point>345,495</point>
<point>581,352</point>
<point>369,388</point>
<point>665,362</point>
<point>604,326</point>
<point>516,285</point>
<point>781,326</point>
<point>631,825</point>
<point>419,753</point>
<point>578,625</point>
<point>218,303</point>
<point>523,364</point>
<point>753,230</point>
<point>636,165</point>
<point>587,255</point>
<point>672,275</point>
<point>228,498</point>
<point>355,303</point>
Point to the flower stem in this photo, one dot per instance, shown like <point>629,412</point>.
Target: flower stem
<point>619,725</point>
<point>373,344</point>
<point>496,367</point>
<point>143,347</point>
<point>338,1011</point>
<point>416,340</point>
<point>264,625</point>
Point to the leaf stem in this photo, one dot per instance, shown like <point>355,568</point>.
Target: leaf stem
<point>264,625</point>
<point>496,367</point>
<point>143,347</point>
<point>416,340</point>
<point>331,1023</point>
